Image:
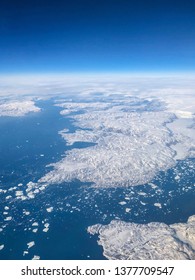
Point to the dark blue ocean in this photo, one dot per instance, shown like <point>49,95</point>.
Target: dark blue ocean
<point>27,145</point>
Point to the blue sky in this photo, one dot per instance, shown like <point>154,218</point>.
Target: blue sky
<point>97,36</point>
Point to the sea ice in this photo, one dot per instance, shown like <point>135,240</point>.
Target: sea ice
<point>46,227</point>
<point>8,218</point>
<point>122,203</point>
<point>19,193</point>
<point>50,209</point>
<point>36,257</point>
<point>35,224</point>
<point>30,244</point>
<point>26,212</point>
<point>158,205</point>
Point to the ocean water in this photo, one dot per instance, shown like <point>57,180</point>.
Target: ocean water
<point>27,145</point>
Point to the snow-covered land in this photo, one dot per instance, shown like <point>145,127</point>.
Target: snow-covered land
<point>153,241</point>
<point>17,108</point>
<point>133,141</point>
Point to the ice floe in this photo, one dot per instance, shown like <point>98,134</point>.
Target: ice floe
<point>30,244</point>
<point>8,218</point>
<point>49,209</point>
<point>36,257</point>
<point>122,202</point>
<point>158,205</point>
<point>26,212</point>
<point>19,193</point>
<point>35,224</point>
<point>46,227</point>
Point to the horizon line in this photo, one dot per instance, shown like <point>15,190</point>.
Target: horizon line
<point>97,73</point>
